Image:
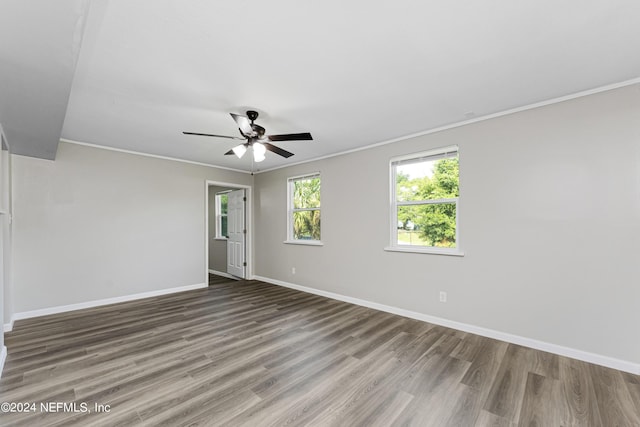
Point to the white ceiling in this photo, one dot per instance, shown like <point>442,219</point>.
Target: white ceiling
<point>353,73</point>
<point>39,46</point>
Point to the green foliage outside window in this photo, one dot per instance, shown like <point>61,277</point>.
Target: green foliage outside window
<point>431,224</point>
<point>224,204</point>
<point>306,209</point>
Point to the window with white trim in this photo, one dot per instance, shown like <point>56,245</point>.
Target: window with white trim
<point>304,209</point>
<point>222,202</point>
<point>424,201</point>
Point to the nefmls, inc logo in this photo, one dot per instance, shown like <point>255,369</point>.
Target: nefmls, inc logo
<point>64,407</point>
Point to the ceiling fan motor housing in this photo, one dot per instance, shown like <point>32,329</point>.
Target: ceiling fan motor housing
<point>252,115</point>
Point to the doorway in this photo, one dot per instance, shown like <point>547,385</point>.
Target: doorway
<point>228,231</point>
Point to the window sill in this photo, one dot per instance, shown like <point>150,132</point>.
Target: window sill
<point>220,238</point>
<point>304,242</point>
<point>422,250</point>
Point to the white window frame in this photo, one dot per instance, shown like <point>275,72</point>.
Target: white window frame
<point>393,205</point>
<point>291,210</point>
<point>219,215</point>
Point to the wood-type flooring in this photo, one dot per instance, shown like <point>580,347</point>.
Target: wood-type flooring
<point>247,353</point>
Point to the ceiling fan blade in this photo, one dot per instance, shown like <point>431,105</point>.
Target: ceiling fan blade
<point>243,123</point>
<point>229,153</point>
<point>210,134</point>
<point>277,150</point>
<point>306,136</point>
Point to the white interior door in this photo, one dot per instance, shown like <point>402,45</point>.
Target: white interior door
<point>236,230</point>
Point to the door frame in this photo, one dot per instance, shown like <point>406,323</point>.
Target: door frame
<point>248,211</point>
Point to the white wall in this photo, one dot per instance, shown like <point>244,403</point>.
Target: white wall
<point>5,238</point>
<point>5,218</point>
<point>98,224</point>
<point>549,222</point>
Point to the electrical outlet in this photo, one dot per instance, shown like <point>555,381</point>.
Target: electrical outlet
<point>443,296</point>
<point>293,270</point>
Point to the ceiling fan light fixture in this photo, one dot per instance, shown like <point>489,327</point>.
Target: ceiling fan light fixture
<point>259,151</point>
<point>239,150</point>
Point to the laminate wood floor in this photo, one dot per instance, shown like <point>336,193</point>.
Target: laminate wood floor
<point>253,354</point>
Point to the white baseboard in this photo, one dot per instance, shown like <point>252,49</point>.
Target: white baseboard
<point>3,357</point>
<point>223,274</point>
<point>609,362</point>
<point>8,327</point>
<point>106,301</point>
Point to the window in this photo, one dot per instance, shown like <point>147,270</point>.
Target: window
<point>222,200</point>
<point>424,202</point>
<point>304,209</point>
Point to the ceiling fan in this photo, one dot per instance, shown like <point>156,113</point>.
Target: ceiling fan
<point>256,139</point>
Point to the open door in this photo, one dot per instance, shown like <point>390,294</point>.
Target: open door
<point>236,262</point>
